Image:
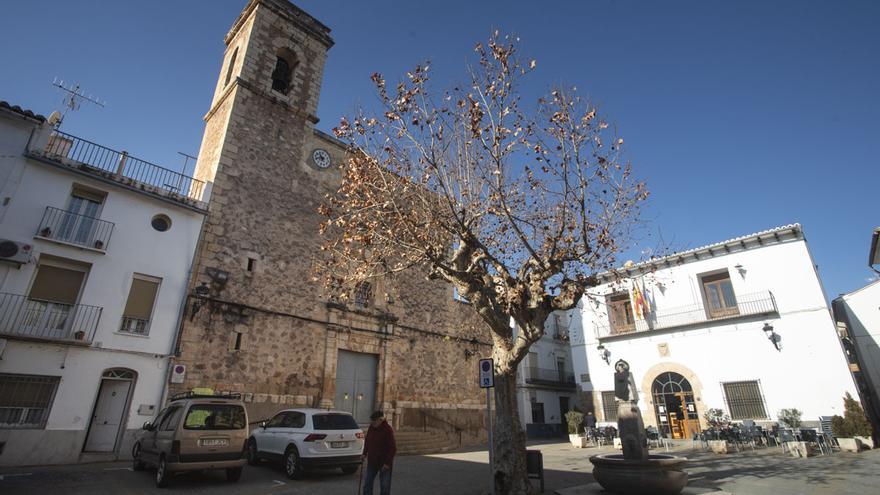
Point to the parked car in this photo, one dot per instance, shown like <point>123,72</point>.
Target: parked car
<point>308,438</point>
<point>194,432</point>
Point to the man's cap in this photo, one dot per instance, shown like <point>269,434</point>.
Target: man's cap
<point>377,415</point>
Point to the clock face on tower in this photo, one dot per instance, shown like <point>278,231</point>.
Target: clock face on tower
<point>321,158</point>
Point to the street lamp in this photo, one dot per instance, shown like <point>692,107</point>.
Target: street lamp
<point>604,353</point>
<point>201,293</point>
<point>772,336</point>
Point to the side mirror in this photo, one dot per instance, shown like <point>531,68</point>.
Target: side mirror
<point>263,425</point>
<point>148,426</point>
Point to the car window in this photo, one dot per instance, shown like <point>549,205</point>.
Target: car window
<point>294,419</point>
<point>215,417</point>
<point>169,422</point>
<point>276,421</point>
<point>334,422</point>
<point>159,417</point>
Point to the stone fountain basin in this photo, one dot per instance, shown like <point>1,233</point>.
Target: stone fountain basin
<point>659,474</point>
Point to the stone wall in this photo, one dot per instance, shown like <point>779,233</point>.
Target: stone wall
<point>265,329</point>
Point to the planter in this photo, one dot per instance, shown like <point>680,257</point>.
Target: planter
<point>799,449</point>
<point>46,232</point>
<point>99,244</point>
<point>577,441</point>
<point>79,335</point>
<point>718,446</point>
<point>849,444</point>
<point>867,442</point>
<point>659,474</point>
<point>617,443</point>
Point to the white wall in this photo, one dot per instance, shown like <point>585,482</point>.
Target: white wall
<point>810,373</point>
<point>863,311</point>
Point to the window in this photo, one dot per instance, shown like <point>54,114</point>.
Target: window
<point>231,67</point>
<point>620,313</point>
<point>282,76</point>
<point>744,400</point>
<point>169,422</point>
<point>25,400</point>
<point>161,223</point>
<point>538,412</point>
<point>334,422</point>
<point>363,294</point>
<point>251,264</point>
<point>55,291</point>
<point>215,417</point>
<point>294,419</point>
<point>720,299</point>
<point>139,306</point>
<point>79,225</point>
<point>609,406</point>
<point>560,369</point>
<point>276,421</point>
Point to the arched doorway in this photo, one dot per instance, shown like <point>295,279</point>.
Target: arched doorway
<point>674,405</point>
<point>109,415</point>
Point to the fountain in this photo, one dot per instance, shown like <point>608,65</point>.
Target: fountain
<point>635,472</point>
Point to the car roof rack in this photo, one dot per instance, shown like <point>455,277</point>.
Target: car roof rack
<point>193,395</point>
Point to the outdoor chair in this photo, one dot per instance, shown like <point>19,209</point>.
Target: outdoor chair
<point>786,436</point>
<point>810,437</point>
<point>825,434</point>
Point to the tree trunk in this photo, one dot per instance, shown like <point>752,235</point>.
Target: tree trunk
<point>509,439</point>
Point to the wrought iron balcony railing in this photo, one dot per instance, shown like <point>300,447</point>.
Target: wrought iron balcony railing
<point>754,304</point>
<point>122,167</point>
<point>546,376</point>
<point>21,316</point>
<point>136,326</point>
<point>72,228</point>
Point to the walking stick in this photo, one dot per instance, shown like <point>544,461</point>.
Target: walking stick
<point>361,478</point>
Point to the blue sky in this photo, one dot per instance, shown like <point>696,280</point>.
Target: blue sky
<point>741,116</point>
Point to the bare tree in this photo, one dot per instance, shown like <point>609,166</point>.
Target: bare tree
<point>518,208</point>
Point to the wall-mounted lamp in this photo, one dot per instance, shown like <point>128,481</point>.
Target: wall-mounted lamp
<point>201,292</point>
<point>345,396</point>
<point>604,353</point>
<point>772,336</point>
<point>468,353</point>
<point>741,269</point>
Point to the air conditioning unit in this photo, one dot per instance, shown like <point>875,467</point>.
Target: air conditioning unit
<point>15,252</point>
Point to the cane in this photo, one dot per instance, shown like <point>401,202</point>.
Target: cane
<point>361,478</point>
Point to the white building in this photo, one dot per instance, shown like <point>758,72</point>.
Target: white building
<point>858,320</point>
<point>96,248</point>
<point>697,338</point>
<point>546,387</point>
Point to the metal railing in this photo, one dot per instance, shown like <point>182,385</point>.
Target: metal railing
<point>136,326</point>
<point>756,303</point>
<point>73,228</point>
<point>21,316</point>
<point>549,376</point>
<point>121,165</point>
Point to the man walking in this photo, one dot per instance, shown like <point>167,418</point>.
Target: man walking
<point>379,450</point>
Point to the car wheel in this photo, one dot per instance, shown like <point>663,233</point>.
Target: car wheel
<point>162,474</point>
<point>292,466</point>
<point>253,457</point>
<point>233,474</point>
<point>136,463</point>
<point>350,469</point>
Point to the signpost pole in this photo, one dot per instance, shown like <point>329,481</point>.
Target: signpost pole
<point>487,381</point>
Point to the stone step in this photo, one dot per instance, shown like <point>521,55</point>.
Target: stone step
<point>411,442</point>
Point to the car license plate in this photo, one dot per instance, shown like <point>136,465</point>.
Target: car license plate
<point>338,445</point>
<point>214,442</point>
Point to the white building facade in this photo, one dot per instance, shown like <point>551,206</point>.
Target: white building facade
<point>96,248</point>
<point>741,325</point>
<point>546,387</point>
<point>858,322</point>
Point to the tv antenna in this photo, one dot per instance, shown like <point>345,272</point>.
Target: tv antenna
<point>74,98</point>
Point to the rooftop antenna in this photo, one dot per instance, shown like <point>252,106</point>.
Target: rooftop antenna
<point>74,98</point>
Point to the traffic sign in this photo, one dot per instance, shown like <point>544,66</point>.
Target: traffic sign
<point>487,373</point>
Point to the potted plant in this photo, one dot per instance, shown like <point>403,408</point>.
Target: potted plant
<point>574,420</point>
<point>46,232</point>
<point>791,418</point>
<point>99,244</point>
<point>79,335</point>
<point>718,421</point>
<point>852,431</point>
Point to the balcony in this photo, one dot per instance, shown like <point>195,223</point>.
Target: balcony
<point>551,377</point>
<point>119,166</point>
<point>66,227</point>
<point>28,318</point>
<point>755,304</point>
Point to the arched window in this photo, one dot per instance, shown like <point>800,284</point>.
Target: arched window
<point>231,67</point>
<point>282,76</point>
<point>119,374</point>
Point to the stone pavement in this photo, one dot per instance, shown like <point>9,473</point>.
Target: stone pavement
<point>761,472</point>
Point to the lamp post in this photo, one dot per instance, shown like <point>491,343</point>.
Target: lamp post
<point>772,336</point>
<point>604,353</point>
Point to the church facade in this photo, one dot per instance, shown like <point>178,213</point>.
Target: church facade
<point>257,321</point>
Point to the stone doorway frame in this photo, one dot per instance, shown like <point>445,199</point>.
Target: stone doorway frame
<point>648,381</point>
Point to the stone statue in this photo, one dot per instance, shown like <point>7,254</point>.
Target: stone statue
<point>629,419</point>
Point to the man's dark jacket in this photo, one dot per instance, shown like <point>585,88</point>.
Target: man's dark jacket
<point>380,446</point>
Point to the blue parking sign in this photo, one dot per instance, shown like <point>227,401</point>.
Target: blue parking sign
<point>487,373</point>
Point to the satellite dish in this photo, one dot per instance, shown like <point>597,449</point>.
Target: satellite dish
<point>54,118</point>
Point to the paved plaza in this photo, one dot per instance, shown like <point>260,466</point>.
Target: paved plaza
<point>762,471</point>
